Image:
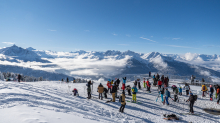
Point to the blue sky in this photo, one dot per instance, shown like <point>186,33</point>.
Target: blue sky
<point>166,26</point>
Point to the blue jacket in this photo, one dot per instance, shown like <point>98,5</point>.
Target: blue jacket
<point>124,81</point>
<point>180,90</point>
<point>167,93</point>
<point>135,90</point>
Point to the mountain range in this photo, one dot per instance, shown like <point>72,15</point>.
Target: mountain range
<point>109,64</point>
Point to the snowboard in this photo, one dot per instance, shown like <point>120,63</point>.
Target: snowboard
<point>134,102</point>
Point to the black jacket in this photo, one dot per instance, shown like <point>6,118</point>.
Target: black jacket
<point>114,89</point>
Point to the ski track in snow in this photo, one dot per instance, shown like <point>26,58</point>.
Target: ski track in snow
<point>55,96</point>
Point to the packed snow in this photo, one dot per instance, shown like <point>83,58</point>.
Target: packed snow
<point>52,102</point>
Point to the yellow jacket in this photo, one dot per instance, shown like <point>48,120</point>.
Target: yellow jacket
<point>204,88</point>
<point>112,82</point>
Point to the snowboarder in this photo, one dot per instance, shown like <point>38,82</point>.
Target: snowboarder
<point>139,83</point>
<point>192,101</point>
<point>167,95</point>
<point>75,91</point>
<point>19,77</point>
<point>105,92</point>
<point>187,88</point>
<point>218,93</point>
<point>162,93</point>
<point>211,92</point>
<point>144,83</point>
<point>123,84</point>
<point>100,90</point>
<point>180,90</point>
<point>114,91</point>
<point>128,88</point>
<point>109,86</point>
<point>204,90</point>
<point>123,103</point>
<point>159,84</point>
<point>176,94</point>
<point>134,92</point>
<point>148,85</point>
<point>89,92</point>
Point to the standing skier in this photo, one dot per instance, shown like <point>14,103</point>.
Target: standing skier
<point>19,78</point>
<point>211,92</point>
<point>89,92</point>
<point>159,84</point>
<point>155,82</point>
<point>75,91</point>
<point>148,85</point>
<point>192,101</point>
<point>176,94</point>
<point>144,83</point>
<point>180,91</point>
<point>109,86</point>
<point>192,79</point>
<point>167,95</point>
<point>187,88</point>
<point>134,92</point>
<point>67,79</point>
<point>114,90</point>
<point>149,74</point>
<point>100,90</point>
<point>123,103</point>
<point>105,92</point>
<point>204,90</point>
<point>218,94</point>
<point>128,88</point>
<point>162,93</point>
<point>123,84</point>
<point>162,79</point>
<point>139,83</point>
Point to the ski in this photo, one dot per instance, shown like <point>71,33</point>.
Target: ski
<point>190,114</point>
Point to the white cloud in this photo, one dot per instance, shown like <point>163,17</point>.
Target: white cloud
<point>205,73</point>
<point>52,30</point>
<point>114,34</point>
<point>128,35</point>
<point>8,43</point>
<point>147,39</point>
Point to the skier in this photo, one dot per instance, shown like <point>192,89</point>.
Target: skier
<point>204,90</point>
<point>180,90</point>
<point>144,83</point>
<point>123,84</point>
<point>218,93</point>
<point>100,90</point>
<point>203,80</point>
<point>128,88</point>
<point>211,92</point>
<point>162,79</point>
<point>174,88</point>
<point>162,93</point>
<point>118,83</point>
<point>155,82</point>
<point>167,95</point>
<point>192,101</point>
<point>112,82</point>
<point>62,80</point>
<point>67,80</point>
<point>19,78</point>
<point>187,88</point>
<point>89,92</point>
<point>134,92</point>
<point>139,83</point>
<point>159,84</point>
<point>165,82</point>
<point>157,77</point>
<point>192,79</point>
<point>105,92</point>
<point>135,83</point>
<point>148,85</point>
<point>123,103</point>
<point>168,81</point>
<point>176,94</point>
<point>109,87</point>
<point>75,91</point>
<point>114,91</point>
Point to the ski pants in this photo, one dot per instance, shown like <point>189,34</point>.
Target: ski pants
<point>129,92</point>
<point>148,88</point>
<point>175,98</point>
<point>109,90</point>
<point>159,86</point>
<point>105,94</point>
<point>144,85</point>
<point>191,107</point>
<point>187,92</point>
<point>100,95</point>
<point>139,85</point>
<point>116,94</point>
<point>89,95</point>
<point>162,97</point>
<point>211,94</point>
<point>122,108</point>
<point>113,97</point>
<point>134,97</point>
<point>180,93</point>
<point>167,100</point>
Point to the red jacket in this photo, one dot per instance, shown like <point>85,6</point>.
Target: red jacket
<point>144,81</point>
<point>159,82</point>
<point>218,91</point>
<point>123,87</point>
<point>109,85</point>
<point>148,84</point>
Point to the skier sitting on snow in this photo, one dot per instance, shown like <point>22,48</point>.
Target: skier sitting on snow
<point>134,92</point>
<point>204,89</point>
<point>128,88</point>
<point>180,91</point>
<point>211,92</point>
<point>75,91</point>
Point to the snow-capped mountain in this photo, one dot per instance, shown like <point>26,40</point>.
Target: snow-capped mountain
<point>111,63</point>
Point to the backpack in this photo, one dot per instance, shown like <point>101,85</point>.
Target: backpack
<point>203,88</point>
<point>120,99</point>
<point>194,97</point>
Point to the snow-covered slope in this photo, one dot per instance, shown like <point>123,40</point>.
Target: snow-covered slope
<point>111,63</point>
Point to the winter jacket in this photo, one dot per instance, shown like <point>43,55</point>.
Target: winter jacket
<point>19,76</point>
<point>75,91</point>
<point>211,90</point>
<point>114,89</point>
<point>112,82</point>
<point>162,91</point>
<point>176,91</point>
<point>138,81</point>
<point>124,80</point>
<point>218,91</point>
<point>128,88</point>
<point>123,102</point>
<point>167,93</point>
<point>123,87</point>
<point>148,84</point>
<point>105,90</point>
<point>134,90</point>
<point>204,88</point>
<point>118,82</point>
<point>109,85</point>
<point>135,83</point>
<point>191,98</point>
<point>159,82</point>
<point>100,89</point>
<point>180,90</point>
<point>88,89</point>
<point>187,87</point>
<point>153,77</point>
<point>89,83</point>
